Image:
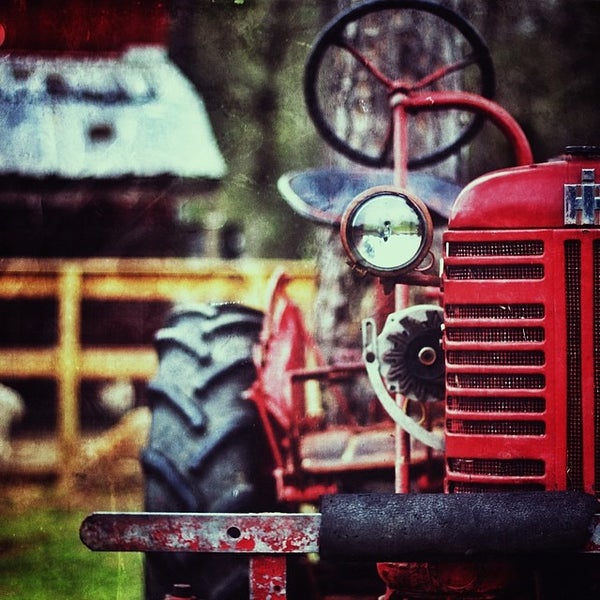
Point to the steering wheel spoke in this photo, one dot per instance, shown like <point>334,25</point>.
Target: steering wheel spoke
<point>368,64</point>
<point>442,72</point>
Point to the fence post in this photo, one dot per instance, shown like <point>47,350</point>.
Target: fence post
<point>68,363</point>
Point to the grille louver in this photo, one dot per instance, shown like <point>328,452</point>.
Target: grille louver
<point>506,335</point>
<point>497,248</point>
<point>497,467</point>
<point>495,311</point>
<point>522,347</point>
<point>496,272</point>
<point>502,357</point>
<point>475,488</point>
<point>496,404</point>
<point>508,427</point>
<point>495,363</point>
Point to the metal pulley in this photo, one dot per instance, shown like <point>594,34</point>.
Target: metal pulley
<point>410,352</point>
<point>406,360</point>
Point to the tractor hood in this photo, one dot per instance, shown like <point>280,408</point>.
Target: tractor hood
<point>556,194</point>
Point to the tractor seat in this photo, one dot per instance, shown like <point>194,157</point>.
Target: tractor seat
<point>322,195</point>
<point>343,449</point>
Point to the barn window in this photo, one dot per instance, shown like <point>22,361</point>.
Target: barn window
<point>101,133</point>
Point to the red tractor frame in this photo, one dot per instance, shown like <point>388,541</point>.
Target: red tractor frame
<point>492,542</point>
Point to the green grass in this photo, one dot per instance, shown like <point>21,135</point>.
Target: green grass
<point>41,557</point>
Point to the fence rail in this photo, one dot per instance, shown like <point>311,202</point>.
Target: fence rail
<point>70,282</point>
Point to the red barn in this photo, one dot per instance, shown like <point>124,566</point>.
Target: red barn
<point>79,26</point>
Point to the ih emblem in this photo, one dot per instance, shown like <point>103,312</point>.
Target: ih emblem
<point>582,200</point>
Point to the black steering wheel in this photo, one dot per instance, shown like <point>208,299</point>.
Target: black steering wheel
<point>391,47</point>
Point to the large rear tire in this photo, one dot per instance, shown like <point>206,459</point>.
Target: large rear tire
<point>207,450</point>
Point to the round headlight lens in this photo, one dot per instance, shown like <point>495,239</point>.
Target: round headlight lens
<point>386,232</point>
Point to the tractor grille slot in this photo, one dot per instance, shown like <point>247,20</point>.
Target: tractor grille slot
<point>573,362</point>
<point>465,272</point>
<point>509,335</point>
<point>495,311</point>
<point>506,248</point>
<point>473,488</point>
<point>497,427</point>
<point>504,381</point>
<point>519,467</point>
<point>501,358</point>
<point>491,404</point>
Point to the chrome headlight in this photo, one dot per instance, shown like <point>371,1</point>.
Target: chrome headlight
<point>386,232</point>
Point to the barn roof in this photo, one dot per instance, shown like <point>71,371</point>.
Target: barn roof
<point>74,117</point>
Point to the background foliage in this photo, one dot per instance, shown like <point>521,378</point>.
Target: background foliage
<point>247,58</point>
<point>545,52</point>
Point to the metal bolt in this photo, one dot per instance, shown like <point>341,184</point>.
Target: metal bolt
<point>427,356</point>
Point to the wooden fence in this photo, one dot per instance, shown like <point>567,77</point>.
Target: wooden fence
<point>70,282</point>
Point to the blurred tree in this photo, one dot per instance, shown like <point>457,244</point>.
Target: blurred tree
<point>246,58</point>
<point>545,52</point>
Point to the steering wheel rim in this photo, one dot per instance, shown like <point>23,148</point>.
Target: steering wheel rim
<point>333,33</point>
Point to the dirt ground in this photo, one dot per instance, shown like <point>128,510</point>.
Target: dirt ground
<point>30,482</point>
<point>22,496</point>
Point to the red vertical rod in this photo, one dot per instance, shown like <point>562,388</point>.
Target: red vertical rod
<point>402,469</point>
<point>385,303</point>
<point>402,299</point>
<point>400,125</point>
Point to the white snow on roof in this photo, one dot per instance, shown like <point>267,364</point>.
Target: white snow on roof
<point>104,117</point>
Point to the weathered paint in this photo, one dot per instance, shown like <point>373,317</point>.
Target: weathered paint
<point>266,533</point>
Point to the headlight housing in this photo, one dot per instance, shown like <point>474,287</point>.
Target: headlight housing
<point>386,231</point>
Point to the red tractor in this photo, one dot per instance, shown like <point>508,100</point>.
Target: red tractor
<point>462,459</point>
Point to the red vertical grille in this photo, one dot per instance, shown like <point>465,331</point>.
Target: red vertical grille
<point>496,362</point>
<point>523,359</point>
<point>573,362</point>
<point>596,334</point>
